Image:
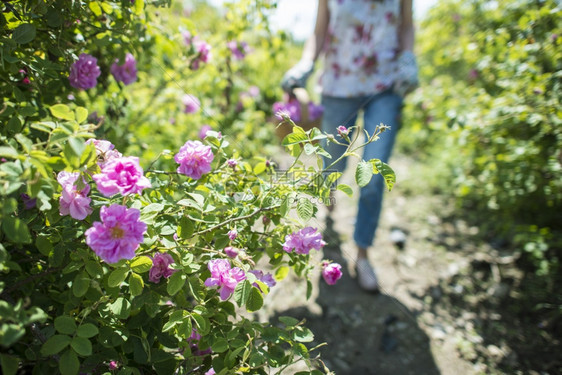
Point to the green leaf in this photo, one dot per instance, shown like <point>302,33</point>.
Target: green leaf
<point>95,8</point>
<point>281,273</point>
<point>320,151</point>
<point>303,334</point>
<point>9,364</point>
<point>24,33</point>
<point>77,146</point>
<point>230,359</point>
<point>260,167</point>
<point>81,284</point>
<point>346,189</point>
<point>201,324</point>
<point>386,172</point>
<point>185,228</point>
<point>43,244</point>
<point>220,346</point>
<point>25,142</point>
<point>62,111</point>
<point>65,324</point>
<point>54,18</point>
<point>55,344</point>
<point>117,277</point>
<point>81,114</point>
<point>14,124</point>
<point>9,205</point>
<point>87,330</point>
<point>16,230</point>
<point>168,326</point>
<point>89,156</point>
<point>305,209</point>
<point>107,8</point>
<point>136,284</point>
<point>141,264</point>
<point>153,207</point>
<point>69,363</point>
<point>363,173</point>
<point>255,300</point>
<point>301,350</point>
<point>35,314</point>
<point>242,292</point>
<point>8,152</point>
<point>94,268</point>
<point>284,207</point>
<point>121,308</point>
<point>10,334</point>
<point>82,346</point>
<point>294,138</point>
<point>139,7</point>
<point>185,329</point>
<point>309,148</point>
<point>196,288</point>
<point>289,321</point>
<point>175,283</point>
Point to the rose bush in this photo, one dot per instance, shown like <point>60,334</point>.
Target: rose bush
<point>114,258</point>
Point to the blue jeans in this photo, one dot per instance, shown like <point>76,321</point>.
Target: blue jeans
<point>385,107</point>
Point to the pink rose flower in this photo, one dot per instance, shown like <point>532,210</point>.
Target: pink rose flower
<point>126,73</point>
<point>267,279</point>
<point>84,72</point>
<point>231,252</point>
<point>194,159</point>
<point>224,277</point>
<point>161,267</point>
<point>203,51</point>
<point>112,365</point>
<point>290,108</point>
<point>232,163</point>
<point>187,38</point>
<point>303,241</point>
<point>121,175</point>
<point>73,202</point>
<point>342,131</point>
<point>238,49</point>
<point>118,235</point>
<point>105,150</point>
<point>190,104</point>
<point>331,272</point>
<point>210,372</point>
<point>232,234</point>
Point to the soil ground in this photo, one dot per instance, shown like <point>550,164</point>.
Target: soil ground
<point>425,320</point>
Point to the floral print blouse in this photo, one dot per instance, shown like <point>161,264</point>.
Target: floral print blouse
<point>361,47</point>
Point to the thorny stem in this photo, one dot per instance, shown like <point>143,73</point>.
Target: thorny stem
<point>234,219</point>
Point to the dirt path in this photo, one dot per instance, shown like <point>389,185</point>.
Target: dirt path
<point>398,331</point>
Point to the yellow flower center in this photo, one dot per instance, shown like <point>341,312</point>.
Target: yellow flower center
<point>117,232</point>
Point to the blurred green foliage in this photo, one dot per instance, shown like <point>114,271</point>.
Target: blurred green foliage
<point>488,120</point>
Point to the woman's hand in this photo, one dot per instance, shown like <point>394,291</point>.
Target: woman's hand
<point>407,77</point>
<point>297,75</point>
